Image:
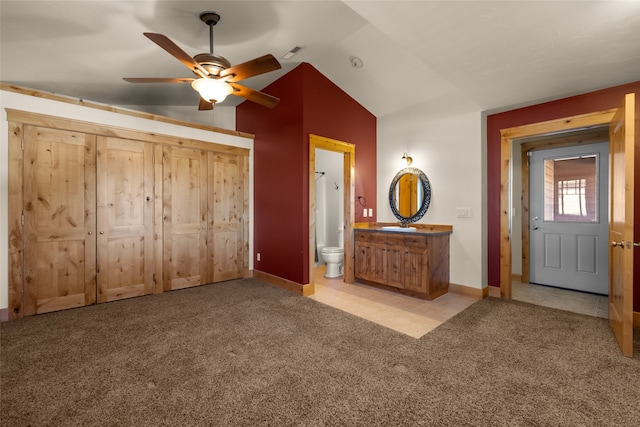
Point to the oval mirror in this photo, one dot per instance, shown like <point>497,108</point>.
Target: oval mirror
<point>409,195</point>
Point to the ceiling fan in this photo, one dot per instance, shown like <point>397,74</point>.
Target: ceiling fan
<point>216,78</point>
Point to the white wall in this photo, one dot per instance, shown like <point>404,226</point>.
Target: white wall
<point>17,101</point>
<point>221,117</point>
<point>332,164</point>
<point>449,150</point>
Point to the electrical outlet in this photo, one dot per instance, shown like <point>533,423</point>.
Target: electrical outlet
<point>463,212</point>
<point>370,211</point>
<point>364,212</point>
<point>258,256</point>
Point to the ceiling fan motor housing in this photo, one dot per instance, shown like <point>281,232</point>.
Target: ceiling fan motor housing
<point>214,64</point>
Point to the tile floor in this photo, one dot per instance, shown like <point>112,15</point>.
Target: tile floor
<point>563,299</point>
<point>411,316</point>
<point>415,317</point>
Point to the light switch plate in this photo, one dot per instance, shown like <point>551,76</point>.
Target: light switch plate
<point>463,212</point>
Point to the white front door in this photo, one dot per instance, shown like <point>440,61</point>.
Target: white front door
<point>569,217</point>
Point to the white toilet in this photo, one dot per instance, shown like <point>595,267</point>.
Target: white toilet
<point>333,257</point>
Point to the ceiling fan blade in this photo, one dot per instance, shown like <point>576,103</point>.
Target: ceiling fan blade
<point>205,105</point>
<point>254,96</point>
<point>166,43</point>
<point>261,65</point>
<point>157,80</point>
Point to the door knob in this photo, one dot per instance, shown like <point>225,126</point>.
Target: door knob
<point>614,243</point>
<point>535,227</point>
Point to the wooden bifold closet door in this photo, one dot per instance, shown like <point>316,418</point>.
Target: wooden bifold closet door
<point>125,219</point>
<point>225,209</point>
<point>88,212</point>
<point>59,220</point>
<point>202,217</point>
<point>102,214</point>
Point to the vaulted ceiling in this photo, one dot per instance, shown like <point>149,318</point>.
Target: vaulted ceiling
<point>447,56</point>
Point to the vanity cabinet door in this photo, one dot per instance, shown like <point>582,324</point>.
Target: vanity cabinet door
<point>396,266</point>
<point>371,257</point>
<point>378,256</point>
<point>363,260</point>
<point>416,268</point>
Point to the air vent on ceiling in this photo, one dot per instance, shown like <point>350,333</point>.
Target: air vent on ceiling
<point>291,52</point>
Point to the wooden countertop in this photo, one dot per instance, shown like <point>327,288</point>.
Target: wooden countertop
<point>430,229</point>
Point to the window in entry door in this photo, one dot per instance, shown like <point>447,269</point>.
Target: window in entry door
<point>571,189</point>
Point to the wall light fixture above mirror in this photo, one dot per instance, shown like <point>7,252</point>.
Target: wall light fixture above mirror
<point>407,159</point>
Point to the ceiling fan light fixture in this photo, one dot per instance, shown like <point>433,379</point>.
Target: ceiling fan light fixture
<point>212,90</point>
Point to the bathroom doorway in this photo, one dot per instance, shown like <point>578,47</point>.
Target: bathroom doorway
<point>345,155</point>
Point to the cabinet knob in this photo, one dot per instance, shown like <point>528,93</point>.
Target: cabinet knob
<point>102,232</point>
<point>90,233</point>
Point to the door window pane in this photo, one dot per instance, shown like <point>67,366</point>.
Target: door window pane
<point>570,189</point>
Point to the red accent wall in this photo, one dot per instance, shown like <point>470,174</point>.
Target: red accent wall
<point>309,104</point>
<point>581,104</point>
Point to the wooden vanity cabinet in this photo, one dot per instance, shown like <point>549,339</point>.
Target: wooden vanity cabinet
<point>415,264</point>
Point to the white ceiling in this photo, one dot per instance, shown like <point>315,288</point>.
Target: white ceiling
<point>447,56</point>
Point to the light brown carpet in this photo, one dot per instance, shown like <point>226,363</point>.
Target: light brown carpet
<point>244,353</point>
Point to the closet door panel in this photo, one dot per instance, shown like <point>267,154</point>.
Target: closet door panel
<point>225,216</point>
<point>184,218</point>
<point>59,210</point>
<point>125,219</point>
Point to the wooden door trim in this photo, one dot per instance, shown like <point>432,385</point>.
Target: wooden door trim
<point>16,201</point>
<point>54,122</point>
<point>598,118</point>
<point>348,151</point>
<point>122,111</point>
